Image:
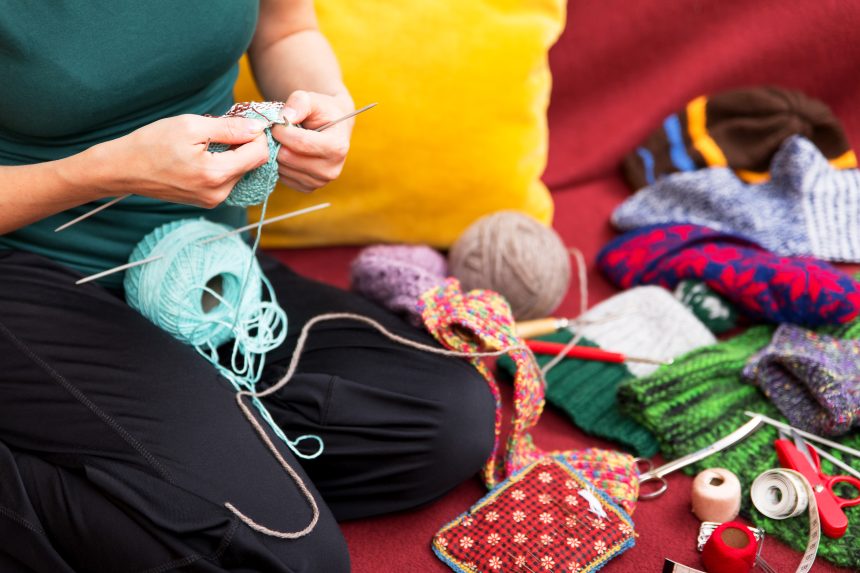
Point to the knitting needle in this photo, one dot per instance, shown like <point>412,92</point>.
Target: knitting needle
<point>588,353</point>
<point>806,435</point>
<point>834,460</point>
<point>245,228</point>
<point>116,200</point>
<point>267,221</point>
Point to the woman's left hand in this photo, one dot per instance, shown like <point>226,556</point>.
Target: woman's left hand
<point>309,159</point>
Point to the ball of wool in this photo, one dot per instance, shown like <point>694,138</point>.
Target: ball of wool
<point>514,255</point>
<point>395,276</point>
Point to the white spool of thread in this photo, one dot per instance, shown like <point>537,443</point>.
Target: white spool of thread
<point>716,495</point>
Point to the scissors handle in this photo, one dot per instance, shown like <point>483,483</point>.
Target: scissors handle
<point>649,477</point>
<point>830,481</point>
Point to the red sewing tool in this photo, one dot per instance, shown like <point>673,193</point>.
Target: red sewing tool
<point>797,455</point>
<point>587,353</point>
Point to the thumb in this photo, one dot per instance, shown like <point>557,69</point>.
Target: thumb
<point>298,107</point>
<point>231,130</point>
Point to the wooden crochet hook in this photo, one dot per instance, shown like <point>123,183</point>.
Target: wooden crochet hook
<point>116,200</point>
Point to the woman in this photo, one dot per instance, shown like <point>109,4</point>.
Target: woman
<point>119,445</point>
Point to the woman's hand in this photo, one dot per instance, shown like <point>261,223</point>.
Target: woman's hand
<point>309,159</point>
<point>169,159</point>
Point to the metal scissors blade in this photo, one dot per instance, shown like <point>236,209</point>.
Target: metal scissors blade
<point>803,448</point>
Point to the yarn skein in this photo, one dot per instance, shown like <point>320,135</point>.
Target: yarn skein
<point>256,185</point>
<point>513,254</point>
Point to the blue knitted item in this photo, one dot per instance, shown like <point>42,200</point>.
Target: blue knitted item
<point>807,208</point>
<point>255,186</point>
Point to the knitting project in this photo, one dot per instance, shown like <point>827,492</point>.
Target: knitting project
<point>701,398</point>
<point>808,207</point>
<point>586,391</point>
<point>255,186</point>
<point>740,129</point>
<point>763,285</point>
<point>813,379</point>
<point>481,321</point>
<point>395,276</point>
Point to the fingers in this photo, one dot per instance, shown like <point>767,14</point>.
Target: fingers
<point>229,130</point>
<point>297,107</point>
<point>241,158</point>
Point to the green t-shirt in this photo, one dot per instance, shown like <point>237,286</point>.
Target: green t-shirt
<point>78,72</point>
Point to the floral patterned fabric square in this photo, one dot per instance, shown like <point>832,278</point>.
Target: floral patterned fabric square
<point>546,517</point>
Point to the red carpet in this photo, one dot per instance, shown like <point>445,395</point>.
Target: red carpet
<point>618,70</point>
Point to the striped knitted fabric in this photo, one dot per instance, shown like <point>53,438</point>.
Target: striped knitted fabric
<point>585,390</point>
<point>808,208</point>
<point>701,398</point>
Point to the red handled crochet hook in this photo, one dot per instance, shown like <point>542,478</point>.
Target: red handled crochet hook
<point>587,353</point>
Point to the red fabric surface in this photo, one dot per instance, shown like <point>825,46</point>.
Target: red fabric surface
<point>618,70</point>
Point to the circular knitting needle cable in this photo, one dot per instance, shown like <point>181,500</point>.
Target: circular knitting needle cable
<point>116,200</point>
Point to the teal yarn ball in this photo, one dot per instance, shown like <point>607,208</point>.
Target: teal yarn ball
<point>194,291</point>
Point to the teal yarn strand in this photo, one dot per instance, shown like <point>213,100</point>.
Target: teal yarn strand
<point>255,186</point>
<point>171,291</point>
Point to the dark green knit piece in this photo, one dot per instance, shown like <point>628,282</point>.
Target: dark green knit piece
<point>712,309</point>
<point>586,391</point>
<point>700,398</point>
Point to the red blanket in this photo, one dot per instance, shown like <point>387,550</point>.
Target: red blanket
<point>619,69</point>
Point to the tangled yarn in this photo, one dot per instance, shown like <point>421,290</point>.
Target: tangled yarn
<point>255,186</point>
<point>514,255</point>
<point>396,275</point>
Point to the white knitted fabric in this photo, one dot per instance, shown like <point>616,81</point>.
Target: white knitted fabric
<point>645,321</point>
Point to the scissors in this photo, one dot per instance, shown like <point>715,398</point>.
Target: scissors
<point>721,444</point>
<point>794,453</point>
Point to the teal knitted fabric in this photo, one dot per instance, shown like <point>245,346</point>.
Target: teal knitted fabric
<point>701,398</point>
<point>585,390</point>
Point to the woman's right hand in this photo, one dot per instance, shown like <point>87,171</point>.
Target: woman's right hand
<point>169,159</point>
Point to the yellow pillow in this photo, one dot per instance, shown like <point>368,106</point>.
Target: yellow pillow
<point>460,130</point>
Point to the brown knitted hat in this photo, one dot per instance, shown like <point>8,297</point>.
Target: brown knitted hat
<point>741,129</point>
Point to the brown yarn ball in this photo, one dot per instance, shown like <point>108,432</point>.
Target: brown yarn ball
<point>513,254</point>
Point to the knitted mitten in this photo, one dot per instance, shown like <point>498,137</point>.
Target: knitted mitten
<point>740,129</point>
<point>807,208</point>
<point>701,398</point>
<point>813,379</point>
<point>763,285</point>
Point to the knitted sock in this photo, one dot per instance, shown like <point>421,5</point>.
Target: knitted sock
<point>762,285</point>
<point>713,310</point>
<point>586,391</point>
<point>807,207</point>
<point>812,378</point>
<point>701,398</point>
<point>739,129</point>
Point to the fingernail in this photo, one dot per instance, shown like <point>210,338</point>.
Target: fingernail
<point>289,114</point>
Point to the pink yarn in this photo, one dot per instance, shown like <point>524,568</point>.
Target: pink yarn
<point>396,275</point>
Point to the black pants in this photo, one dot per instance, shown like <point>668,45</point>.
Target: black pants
<point>119,445</point>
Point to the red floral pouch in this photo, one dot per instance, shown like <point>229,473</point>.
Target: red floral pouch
<point>546,517</point>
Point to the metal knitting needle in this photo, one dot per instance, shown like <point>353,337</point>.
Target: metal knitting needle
<point>835,461</point>
<point>806,435</point>
<point>116,200</point>
<point>267,221</point>
<point>234,231</point>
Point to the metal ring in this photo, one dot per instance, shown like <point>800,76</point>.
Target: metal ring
<point>653,494</point>
<point>638,463</point>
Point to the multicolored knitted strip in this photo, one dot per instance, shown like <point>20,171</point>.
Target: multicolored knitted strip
<point>763,285</point>
<point>481,321</point>
<point>701,398</point>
